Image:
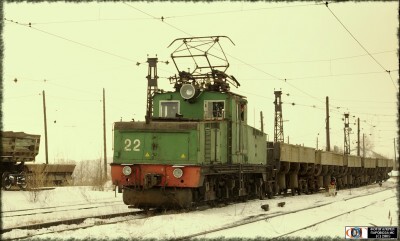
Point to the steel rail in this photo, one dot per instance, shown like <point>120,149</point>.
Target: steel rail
<point>269,216</point>
<point>80,204</point>
<point>336,216</point>
<point>60,210</point>
<point>69,221</point>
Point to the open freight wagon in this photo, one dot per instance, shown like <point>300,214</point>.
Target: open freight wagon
<point>18,153</point>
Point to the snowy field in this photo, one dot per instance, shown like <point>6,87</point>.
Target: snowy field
<point>378,207</point>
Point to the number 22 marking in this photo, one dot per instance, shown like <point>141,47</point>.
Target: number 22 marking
<point>128,143</point>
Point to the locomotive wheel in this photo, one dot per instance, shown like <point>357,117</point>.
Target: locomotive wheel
<point>306,188</point>
<point>262,192</point>
<point>275,189</point>
<point>6,181</point>
<point>23,186</point>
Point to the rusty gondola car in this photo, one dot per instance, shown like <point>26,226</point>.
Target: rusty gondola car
<point>196,146</point>
<point>18,152</point>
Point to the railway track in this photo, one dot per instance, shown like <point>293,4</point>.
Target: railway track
<point>12,214</point>
<point>132,215</point>
<point>59,206</point>
<point>75,221</point>
<point>331,218</point>
<point>262,217</point>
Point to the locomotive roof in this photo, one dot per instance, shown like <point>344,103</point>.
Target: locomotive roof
<point>230,93</point>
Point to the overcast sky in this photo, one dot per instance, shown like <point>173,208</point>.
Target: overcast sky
<point>79,49</point>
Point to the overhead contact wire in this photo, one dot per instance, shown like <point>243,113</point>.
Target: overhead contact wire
<point>161,19</point>
<point>376,61</point>
<point>72,41</point>
<point>246,10</point>
<point>258,69</point>
<point>228,54</point>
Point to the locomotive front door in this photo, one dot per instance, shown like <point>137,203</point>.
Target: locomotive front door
<point>212,144</point>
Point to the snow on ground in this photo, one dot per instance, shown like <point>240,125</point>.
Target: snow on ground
<point>281,225</point>
<point>181,224</point>
<point>17,200</point>
<point>64,201</point>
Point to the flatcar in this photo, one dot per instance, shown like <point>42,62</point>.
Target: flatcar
<point>196,145</point>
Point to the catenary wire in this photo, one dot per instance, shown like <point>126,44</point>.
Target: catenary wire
<point>73,41</point>
<point>239,11</point>
<point>88,20</point>
<point>324,60</point>
<point>185,32</point>
<point>282,79</point>
<point>376,61</point>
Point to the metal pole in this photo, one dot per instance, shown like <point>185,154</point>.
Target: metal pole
<point>278,128</point>
<point>104,134</point>
<point>45,127</point>
<point>328,143</point>
<point>346,130</point>
<point>152,86</point>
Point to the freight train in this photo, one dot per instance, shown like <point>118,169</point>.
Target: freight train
<point>17,150</point>
<point>196,146</point>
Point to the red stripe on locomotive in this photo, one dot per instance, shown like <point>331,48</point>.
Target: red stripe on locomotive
<point>190,178</point>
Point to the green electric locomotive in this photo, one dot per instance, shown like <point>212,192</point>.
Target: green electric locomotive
<point>196,147</point>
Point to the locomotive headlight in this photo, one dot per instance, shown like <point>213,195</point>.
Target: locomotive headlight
<point>177,172</point>
<point>127,170</point>
<point>189,92</point>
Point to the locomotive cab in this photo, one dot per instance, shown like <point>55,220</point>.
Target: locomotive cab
<point>208,106</point>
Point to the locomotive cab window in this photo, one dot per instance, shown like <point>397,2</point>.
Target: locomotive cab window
<point>214,109</point>
<point>241,111</point>
<point>169,109</point>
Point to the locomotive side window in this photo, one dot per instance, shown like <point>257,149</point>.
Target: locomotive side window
<point>214,109</point>
<point>169,109</point>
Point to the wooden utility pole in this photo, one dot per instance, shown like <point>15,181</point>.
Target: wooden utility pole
<point>104,134</point>
<point>363,145</point>
<point>262,121</point>
<point>395,166</point>
<point>45,127</point>
<point>358,136</point>
<point>328,142</point>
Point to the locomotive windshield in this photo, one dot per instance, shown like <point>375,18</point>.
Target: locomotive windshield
<point>169,109</point>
